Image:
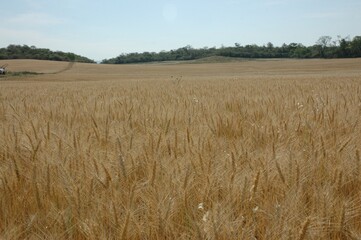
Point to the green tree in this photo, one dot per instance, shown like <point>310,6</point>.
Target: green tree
<point>344,49</point>
<point>26,52</point>
<point>355,46</point>
<point>322,44</point>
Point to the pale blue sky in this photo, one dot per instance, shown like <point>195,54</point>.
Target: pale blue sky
<point>106,28</point>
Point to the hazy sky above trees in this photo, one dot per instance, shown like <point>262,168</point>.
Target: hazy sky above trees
<point>104,29</point>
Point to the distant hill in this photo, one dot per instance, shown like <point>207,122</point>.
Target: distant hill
<point>324,48</point>
<point>26,52</point>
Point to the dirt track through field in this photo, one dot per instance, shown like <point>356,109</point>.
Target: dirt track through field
<point>67,68</point>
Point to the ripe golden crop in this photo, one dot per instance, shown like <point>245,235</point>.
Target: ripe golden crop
<point>240,150</point>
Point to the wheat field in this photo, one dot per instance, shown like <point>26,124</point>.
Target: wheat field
<point>240,150</point>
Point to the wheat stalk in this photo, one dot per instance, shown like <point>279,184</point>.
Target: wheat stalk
<point>303,230</point>
<point>280,172</point>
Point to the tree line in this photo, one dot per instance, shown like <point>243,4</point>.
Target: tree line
<point>325,47</point>
<point>26,52</point>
